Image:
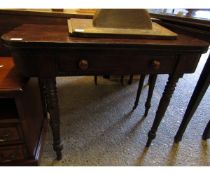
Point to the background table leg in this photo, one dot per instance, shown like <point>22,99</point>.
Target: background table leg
<point>141,82</point>
<point>152,80</point>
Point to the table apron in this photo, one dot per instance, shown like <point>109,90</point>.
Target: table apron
<point>64,63</point>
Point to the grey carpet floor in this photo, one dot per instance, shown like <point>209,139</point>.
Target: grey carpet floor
<point>98,126</point>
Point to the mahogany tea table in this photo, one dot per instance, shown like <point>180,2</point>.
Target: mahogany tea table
<point>47,51</point>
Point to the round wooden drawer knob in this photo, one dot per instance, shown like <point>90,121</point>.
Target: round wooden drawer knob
<point>83,64</point>
<point>4,138</point>
<point>156,64</point>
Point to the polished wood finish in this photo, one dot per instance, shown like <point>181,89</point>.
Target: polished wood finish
<point>51,45</point>
<point>9,86</point>
<point>21,120</point>
<point>9,19</point>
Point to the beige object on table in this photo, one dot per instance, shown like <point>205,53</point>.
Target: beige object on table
<point>122,18</point>
<point>121,23</point>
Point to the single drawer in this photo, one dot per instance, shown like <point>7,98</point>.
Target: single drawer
<point>89,64</point>
<point>10,134</point>
<point>11,153</point>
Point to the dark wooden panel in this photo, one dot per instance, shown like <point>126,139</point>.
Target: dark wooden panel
<point>31,114</point>
<point>100,62</point>
<point>10,133</point>
<point>45,36</point>
<point>21,119</point>
<point>12,153</point>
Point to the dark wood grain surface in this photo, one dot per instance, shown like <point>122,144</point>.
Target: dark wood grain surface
<point>10,82</point>
<point>40,35</point>
<point>9,19</point>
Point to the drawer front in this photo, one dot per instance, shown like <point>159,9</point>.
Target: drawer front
<point>84,64</point>
<point>12,153</point>
<point>9,135</point>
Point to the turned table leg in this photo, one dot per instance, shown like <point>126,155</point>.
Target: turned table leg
<point>141,82</point>
<point>50,92</point>
<point>164,102</point>
<point>152,80</point>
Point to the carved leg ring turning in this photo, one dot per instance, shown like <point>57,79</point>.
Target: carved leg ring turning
<point>53,109</point>
<point>152,80</point>
<point>141,82</point>
<point>164,102</point>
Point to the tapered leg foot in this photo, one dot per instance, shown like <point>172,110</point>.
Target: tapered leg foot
<point>141,82</point>
<point>206,133</point>
<point>177,138</point>
<point>151,136</point>
<point>58,150</point>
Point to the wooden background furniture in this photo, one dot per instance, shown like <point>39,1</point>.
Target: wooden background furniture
<point>22,123</point>
<point>199,28</point>
<point>35,46</point>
